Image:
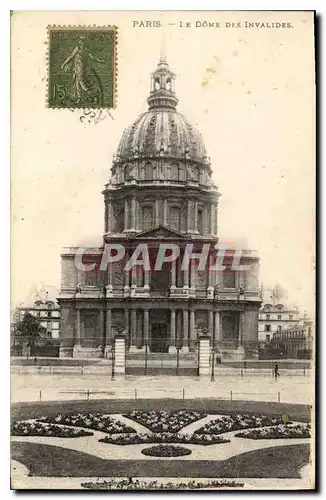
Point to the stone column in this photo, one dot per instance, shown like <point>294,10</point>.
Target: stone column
<point>157,212</point>
<point>172,347</point>
<point>109,337</point>
<point>185,346</point>
<point>216,220</point>
<point>133,213</point>
<point>106,218</point>
<point>146,279</point>
<point>78,327</point>
<point>211,277</point>
<point>192,331</point>
<point>102,332</point>
<point>173,274</point>
<point>196,216</point>
<point>165,212</point>
<point>126,287</point>
<point>146,327</point>
<point>211,210</point>
<point>137,215</point>
<point>211,324</point>
<point>188,216</point>
<point>109,287</point>
<point>126,214</point>
<point>217,330</point>
<point>126,323</point>
<point>133,336</point>
<point>109,216</point>
<point>192,275</point>
<point>241,329</point>
<point>134,272</point>
<point>205,220</point>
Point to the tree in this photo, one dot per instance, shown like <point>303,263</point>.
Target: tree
<point>29,326</point>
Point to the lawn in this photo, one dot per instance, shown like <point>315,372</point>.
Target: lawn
<point>273,462</point>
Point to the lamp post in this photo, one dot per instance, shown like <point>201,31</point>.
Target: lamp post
<point>113,362</point>
<point>146,355</point>
<point>178,355</point>
<point>213,365</point>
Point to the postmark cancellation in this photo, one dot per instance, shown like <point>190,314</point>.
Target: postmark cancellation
<point>82,66</point>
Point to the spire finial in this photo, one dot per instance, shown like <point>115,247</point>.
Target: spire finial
<point>163,58</point>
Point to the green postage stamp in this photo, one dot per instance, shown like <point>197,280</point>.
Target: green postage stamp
<point>82,67</point>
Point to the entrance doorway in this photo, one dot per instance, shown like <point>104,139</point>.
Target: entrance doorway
<point>159,338</point>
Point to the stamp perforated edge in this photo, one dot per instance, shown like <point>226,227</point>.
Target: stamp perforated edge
<point>81,27</point>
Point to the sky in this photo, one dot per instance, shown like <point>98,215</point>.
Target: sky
<point>250,92</point>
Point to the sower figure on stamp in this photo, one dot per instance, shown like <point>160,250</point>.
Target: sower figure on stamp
<point>78,63</point>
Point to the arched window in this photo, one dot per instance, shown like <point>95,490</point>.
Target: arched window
<point>175,218</point>
<point>142,172</point>
<point>120,220</point>
<point>147,217</point>
<point>228,278</point>
<point>175,172</point>
<point>148,171</point>
<point>200,221</point>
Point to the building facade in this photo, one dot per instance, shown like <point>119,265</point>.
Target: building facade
<point>275,314</point>
<point>160,192</point>
<point>295,342</point>
<point>42,303</point>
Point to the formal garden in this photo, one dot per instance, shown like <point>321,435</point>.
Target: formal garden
<point>128,444</point>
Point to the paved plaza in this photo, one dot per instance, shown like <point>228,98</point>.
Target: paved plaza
<point>256,386</point>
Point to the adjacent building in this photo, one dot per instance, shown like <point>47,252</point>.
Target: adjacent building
<point>275,314</point>
<point>42,303</point>
<point>295,342</point>
<point>160,191</point>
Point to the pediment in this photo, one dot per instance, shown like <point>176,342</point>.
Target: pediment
<point>161,232</point>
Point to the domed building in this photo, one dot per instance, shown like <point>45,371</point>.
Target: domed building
<point>160,192</point>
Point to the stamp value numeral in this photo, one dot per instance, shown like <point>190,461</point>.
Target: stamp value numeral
<point>59,91</point>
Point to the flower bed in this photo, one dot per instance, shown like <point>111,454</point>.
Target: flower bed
<point>279,432</point>
<point>166,451</point>
<point>227,423</point>
<point>164,437</point>
<point>162,421</point>
<point>24,428</point>
<point>94,421</point>
<point>136,484</point>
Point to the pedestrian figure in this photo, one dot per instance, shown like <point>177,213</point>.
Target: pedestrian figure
<point>276,372</point>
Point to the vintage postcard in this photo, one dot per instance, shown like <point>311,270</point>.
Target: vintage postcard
<point>163,303</point>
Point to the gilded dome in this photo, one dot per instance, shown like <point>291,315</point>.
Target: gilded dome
<point>162,131</point>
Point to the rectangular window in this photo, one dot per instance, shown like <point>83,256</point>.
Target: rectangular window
<point>228,278</point>
<point>279,328</point>
<point>268,338</point>
<point>268,316</point>
<point>290,317</point>
<point>95,277</point>
<point>279,316</point>
<point>267,328</point>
